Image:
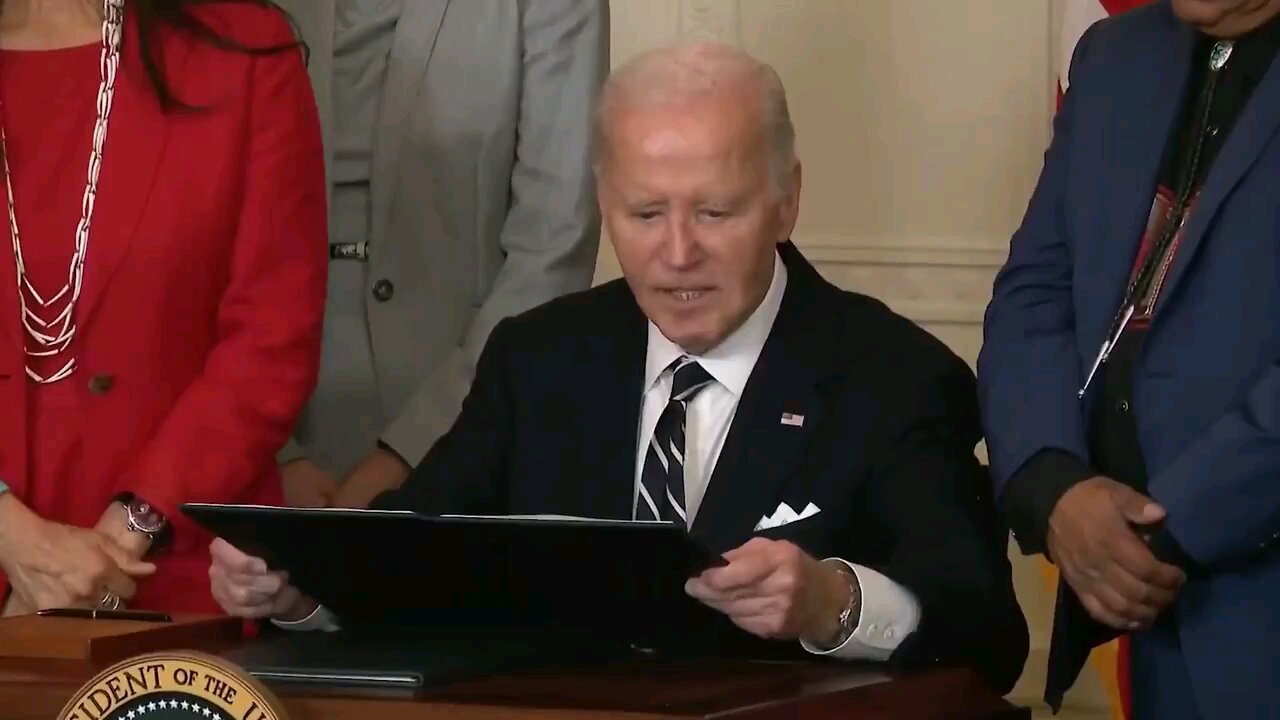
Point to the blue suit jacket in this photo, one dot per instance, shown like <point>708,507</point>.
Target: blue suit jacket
<point>1207,389</point>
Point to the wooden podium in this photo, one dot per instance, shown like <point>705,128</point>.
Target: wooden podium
<point>44,661</point>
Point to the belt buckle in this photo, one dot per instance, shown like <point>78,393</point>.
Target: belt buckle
<point>349,251</point>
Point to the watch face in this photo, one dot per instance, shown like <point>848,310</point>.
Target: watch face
<point>146,518</point>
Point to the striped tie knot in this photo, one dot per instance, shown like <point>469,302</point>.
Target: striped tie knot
<point>688,379</point>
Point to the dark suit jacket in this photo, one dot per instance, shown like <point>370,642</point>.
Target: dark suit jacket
<point>1207,385</point>
<point>885,450</point>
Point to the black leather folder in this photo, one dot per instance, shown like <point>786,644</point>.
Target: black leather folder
<point>382,567</point>
<point>409,658</point>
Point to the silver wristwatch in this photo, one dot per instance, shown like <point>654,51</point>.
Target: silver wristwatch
<point>145,519</point>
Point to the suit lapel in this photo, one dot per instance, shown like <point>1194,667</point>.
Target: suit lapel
<point>139,128</point>
<point>610,422</point>
<point>1142,120</point>
<point>761,452</point>
<point>415,40</point>
<point>1257,124</point>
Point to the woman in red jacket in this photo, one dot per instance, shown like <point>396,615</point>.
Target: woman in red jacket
<point>160,311</point>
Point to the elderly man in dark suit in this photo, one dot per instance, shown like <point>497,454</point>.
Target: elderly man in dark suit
<point>820,442</point>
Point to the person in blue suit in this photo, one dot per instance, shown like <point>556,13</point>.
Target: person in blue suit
<point>1130,374</point>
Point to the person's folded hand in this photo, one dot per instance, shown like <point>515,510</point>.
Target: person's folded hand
<point>306,485</point>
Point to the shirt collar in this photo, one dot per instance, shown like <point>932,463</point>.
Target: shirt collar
<point>732,361</point>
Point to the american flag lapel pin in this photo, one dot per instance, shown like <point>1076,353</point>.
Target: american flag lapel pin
<point>792,419</point>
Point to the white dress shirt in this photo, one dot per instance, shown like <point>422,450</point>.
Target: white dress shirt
<point>889,611</point>
<point>709,415</point>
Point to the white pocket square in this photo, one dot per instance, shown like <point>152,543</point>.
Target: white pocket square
<point>785,515</point>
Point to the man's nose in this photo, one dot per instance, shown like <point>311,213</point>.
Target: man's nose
<point>680,246</point>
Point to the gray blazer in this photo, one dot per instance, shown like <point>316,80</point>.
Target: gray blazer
<point>483,199</point>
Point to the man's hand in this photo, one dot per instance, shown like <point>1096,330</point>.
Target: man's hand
<point>245,587</point>
<point>381,471</point>
<point>772,589</point>
<point>1115,575</point>
<point>306,485</point>
<point>54,565</point>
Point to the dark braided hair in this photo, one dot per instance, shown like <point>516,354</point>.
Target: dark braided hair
<point>153,15</point>
<point>177,14</point>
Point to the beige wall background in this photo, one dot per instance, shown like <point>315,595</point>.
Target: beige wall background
<point>921,127</point>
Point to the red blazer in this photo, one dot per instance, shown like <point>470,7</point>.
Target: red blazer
<point>203,298</point>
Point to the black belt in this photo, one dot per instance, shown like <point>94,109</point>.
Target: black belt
<point>349,251</point>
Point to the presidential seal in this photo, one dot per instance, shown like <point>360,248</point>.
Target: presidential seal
<point>173,686</point>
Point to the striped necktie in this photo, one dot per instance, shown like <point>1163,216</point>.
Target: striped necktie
<point>662,478</point>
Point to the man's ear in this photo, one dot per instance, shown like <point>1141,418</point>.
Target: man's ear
<point>789,210</point>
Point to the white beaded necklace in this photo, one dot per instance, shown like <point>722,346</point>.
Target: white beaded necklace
<point>50,338</point>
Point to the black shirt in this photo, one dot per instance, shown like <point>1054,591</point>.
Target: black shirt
<point>1213,103</point>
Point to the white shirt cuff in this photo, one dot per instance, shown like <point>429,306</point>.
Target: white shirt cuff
<point>319,619</point>
<point>890,613</point>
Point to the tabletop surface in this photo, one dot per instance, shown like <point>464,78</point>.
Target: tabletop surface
<point>38,689</point>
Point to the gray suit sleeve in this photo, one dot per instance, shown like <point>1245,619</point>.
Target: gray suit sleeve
<point>291,451</point>
<point>552,230</point>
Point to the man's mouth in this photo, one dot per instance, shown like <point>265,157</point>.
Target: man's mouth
<point>686,294</point>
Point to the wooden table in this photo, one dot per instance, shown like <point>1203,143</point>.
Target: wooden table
<point>36,688</point>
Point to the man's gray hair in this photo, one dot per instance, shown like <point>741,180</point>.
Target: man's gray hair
<point>691,69</point>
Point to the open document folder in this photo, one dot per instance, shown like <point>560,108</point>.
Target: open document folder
<point>375,566</point>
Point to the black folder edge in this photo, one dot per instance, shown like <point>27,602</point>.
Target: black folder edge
<point>227,521</point>
<point>213,516</point>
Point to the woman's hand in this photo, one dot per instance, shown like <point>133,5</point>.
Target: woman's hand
<point>114,525</point>
<point>54,565</point>
<point>13,606</point>
<point>306,485</point>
